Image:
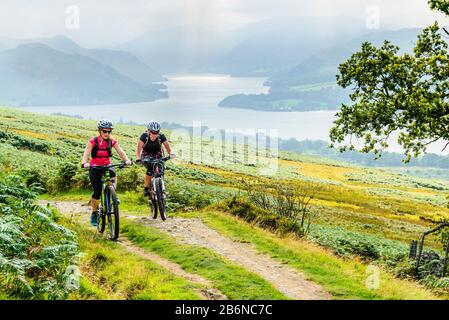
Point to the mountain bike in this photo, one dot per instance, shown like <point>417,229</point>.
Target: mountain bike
<point>109,205</point>
<point>158,196</point>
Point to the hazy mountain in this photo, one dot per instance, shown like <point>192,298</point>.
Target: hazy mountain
<point>8,43</point>
<point>258,48</point>
<point>273,45</point>
<point>35,74</point>
<point>323,67</point>
<point>178,49</point>
<point>311,85</point>
<point>122,61</point>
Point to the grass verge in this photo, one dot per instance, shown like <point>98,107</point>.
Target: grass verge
<point>344,279</point>
<point>109,271</point>
<point>234,281</point>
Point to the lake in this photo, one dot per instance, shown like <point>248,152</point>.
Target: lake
<point>194,99</point>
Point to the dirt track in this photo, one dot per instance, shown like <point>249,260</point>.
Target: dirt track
<point>287,280</point>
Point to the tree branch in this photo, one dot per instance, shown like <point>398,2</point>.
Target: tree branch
<point>447,144</point>
<point>447,32</point>
<point>430,142</point>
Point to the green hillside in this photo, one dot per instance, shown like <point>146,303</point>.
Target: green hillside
<point>35,74</point>
<point>360,218</point>
<point>311,84</point>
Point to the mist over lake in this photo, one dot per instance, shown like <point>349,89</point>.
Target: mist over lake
<point>194,98</point>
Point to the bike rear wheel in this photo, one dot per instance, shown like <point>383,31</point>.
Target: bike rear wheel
<point>113,215</point>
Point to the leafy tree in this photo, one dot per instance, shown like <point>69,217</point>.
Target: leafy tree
<point>441,5</point>
<point>406,94</point>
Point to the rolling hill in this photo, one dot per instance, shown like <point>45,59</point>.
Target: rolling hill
<point>311,85</point>
<point>35,74</point>
<point>122,61</point>
<point>323,67</point>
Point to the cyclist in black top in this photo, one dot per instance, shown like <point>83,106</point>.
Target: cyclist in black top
<point>150,146</point>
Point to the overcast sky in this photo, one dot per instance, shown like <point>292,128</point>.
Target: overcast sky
<point>110,22</point>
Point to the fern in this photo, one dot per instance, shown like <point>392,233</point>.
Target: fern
<point>34,250</point>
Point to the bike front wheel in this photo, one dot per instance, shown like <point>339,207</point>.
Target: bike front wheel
<point>154,207</point>
<point>101,219</point>
<point>160,194</point>
<point>113,215</point>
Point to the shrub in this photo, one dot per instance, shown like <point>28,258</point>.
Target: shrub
<point>438,284</point>
<point>130,179</point>
<point>187,196</point>
<point>34,251</point>
<point>348,243</point>
<point>288,203</point>
<point>81,179</point>
<point>25,143</point>
<point>242,208</point>
<point>196,174</point>
<point>62,177</point>
<point>34,175</point>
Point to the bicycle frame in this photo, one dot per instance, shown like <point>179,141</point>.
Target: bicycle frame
<point>159,170</point>
<point>158,194</point>
<point>158,166</point>
<point>108,209</point>
<point>107,182</point>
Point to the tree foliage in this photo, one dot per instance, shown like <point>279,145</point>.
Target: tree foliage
<point>441,5</point>
<point>399,93</point>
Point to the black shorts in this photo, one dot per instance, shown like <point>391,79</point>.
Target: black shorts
<point>95,176</point>
<point>150,170</point>
<point>150,167</point>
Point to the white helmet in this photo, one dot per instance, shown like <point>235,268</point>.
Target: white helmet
<point>153,125</point>
<point>105,124</point>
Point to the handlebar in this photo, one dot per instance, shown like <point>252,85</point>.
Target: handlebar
<point>144,161</point>
<point>110,166</point>
<point>123,165</point>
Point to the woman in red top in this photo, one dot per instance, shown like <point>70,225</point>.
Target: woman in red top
<point>100,150</point>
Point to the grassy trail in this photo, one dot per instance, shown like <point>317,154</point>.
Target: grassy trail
<point>336,278</point>
<point>226,278</point>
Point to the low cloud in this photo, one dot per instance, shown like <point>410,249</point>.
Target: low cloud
<point>109,22</point>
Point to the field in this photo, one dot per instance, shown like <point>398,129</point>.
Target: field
<point>360,217</point>
<point>314,87</point>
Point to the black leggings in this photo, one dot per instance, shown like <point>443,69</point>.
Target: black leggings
<point>95,176</point>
